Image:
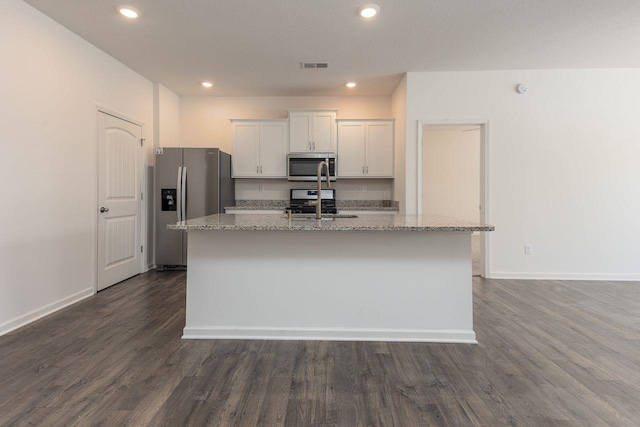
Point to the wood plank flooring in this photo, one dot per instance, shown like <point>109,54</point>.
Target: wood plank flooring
<point>551,353</point>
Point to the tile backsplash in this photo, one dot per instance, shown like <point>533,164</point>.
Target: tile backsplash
<point>346,189</point>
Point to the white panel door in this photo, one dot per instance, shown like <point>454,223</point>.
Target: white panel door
<point>119,204</point>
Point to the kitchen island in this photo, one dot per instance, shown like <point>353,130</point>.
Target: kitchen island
<point>379,277</point>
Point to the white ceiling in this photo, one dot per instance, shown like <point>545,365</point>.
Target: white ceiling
<point>254,47</point>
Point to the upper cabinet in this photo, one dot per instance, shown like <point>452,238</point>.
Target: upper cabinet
<point>259,148</point>
<point>312,131</point>
<point>365,148</point>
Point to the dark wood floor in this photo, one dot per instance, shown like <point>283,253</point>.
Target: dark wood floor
<point>550,353</point>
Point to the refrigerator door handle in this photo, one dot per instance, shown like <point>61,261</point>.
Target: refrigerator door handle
<point>183,201</point>
<point>179,194</point>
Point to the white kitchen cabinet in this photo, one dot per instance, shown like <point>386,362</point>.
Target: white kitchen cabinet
<point>365,148</point>
<point>312,131</point>
<point>259,148</point>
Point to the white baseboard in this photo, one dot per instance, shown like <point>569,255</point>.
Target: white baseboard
<point>564,276</point>
<point>333,334</point>
<point>38,313</point>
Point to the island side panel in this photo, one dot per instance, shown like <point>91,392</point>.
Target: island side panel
<point>335,285</point>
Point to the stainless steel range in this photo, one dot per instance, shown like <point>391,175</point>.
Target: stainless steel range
<point>304,201</point>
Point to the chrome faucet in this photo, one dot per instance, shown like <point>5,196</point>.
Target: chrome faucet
<point>324,163</point>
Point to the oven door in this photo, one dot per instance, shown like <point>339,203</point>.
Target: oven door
<point>305,168</point>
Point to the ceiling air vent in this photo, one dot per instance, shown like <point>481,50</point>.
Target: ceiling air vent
<point>314,65</point>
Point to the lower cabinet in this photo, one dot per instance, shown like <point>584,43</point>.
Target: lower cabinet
<point>259,148</point>
<point>365,148</point>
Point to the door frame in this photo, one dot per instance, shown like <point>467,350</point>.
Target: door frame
<point>143,188</point>
<point>485,199</point>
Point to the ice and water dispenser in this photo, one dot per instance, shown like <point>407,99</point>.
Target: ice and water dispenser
<point>169,199</point>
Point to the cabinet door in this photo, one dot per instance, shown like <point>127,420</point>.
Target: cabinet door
<point>300,125</point>
<point>245,149</point>
<point>323,139</point>
<point>351,149</point>
<point>273,149</point>
<point>379,152</point>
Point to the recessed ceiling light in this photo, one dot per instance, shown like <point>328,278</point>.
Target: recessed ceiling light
<point>207,84</point>
<point>351,85</point>
<point>128,11</point>
<point>369,10</point>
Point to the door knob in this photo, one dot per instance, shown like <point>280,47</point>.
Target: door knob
<point>103,209</point>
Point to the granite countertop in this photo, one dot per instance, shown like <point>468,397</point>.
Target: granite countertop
<point>340,208</point>
<point>259,205</point>
<point>370,222</point>
<point>344,205</point>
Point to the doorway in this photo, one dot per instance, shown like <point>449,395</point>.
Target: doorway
<point>119,200</point>
<point>451,177</point>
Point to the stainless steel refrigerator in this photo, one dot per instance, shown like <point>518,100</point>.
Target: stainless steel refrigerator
<point>190,183</point>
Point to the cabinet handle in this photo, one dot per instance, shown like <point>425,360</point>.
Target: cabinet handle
<point>314,145</point>
<point>257,169</point>
<point>260,170</point>
<point>363,170</point>
<point>367,170</point>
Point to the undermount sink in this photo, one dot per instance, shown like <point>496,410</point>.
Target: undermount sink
<point>325,217</point>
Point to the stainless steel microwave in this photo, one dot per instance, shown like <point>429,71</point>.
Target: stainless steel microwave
<point>304,166</point>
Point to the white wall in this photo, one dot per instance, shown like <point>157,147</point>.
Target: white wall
<point>399,112</point>
<point>564,172</point>
<point>166,117</point>
<point>204,121</point>
<point>50,81</point>
<point>451,173</point>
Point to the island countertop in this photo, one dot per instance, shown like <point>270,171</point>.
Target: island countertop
<point>370,222</point>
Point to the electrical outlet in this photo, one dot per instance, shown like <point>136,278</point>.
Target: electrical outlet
<point>260,188</point>
<point>527,249</point>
